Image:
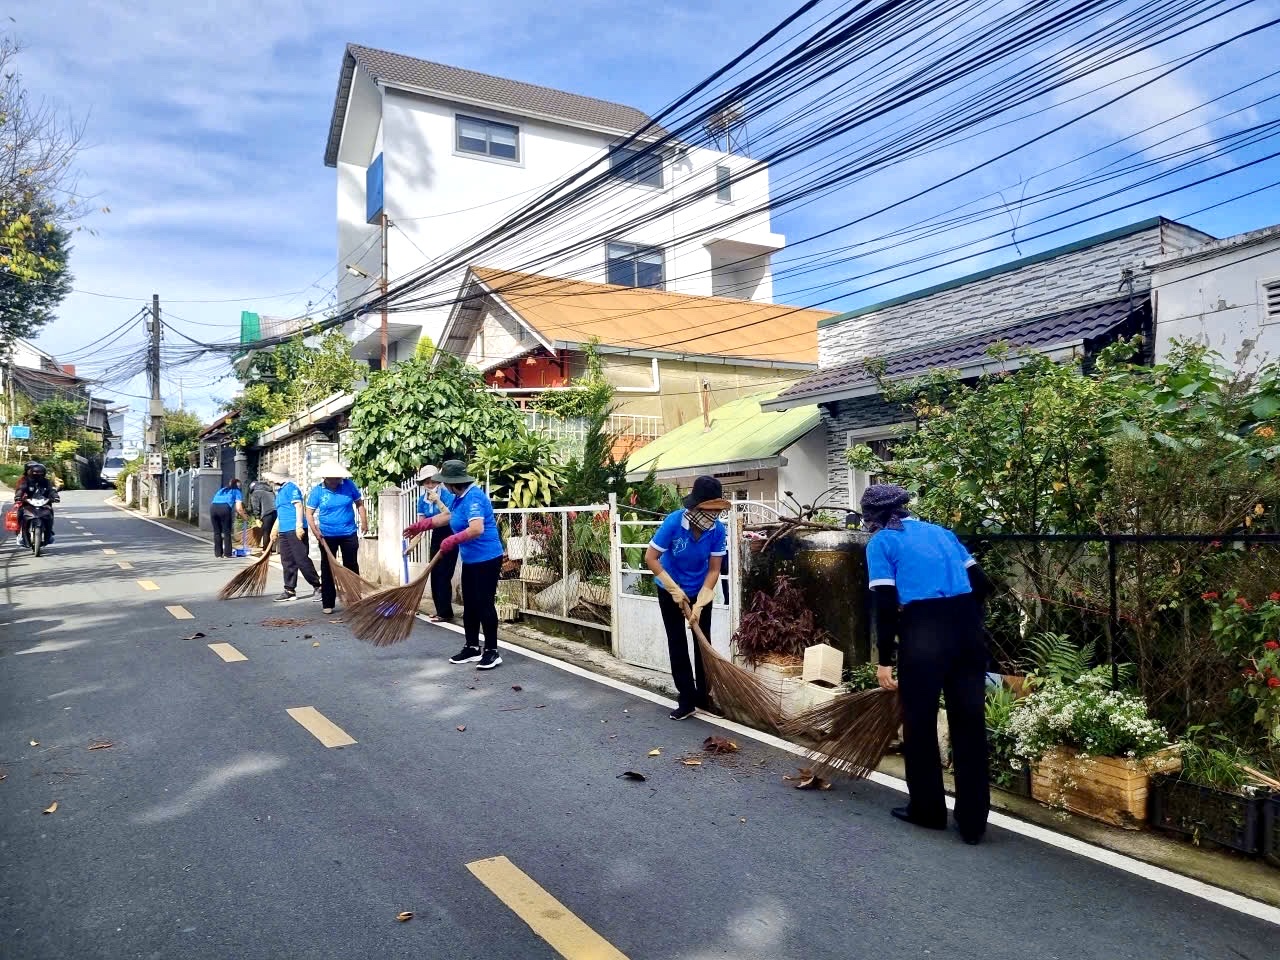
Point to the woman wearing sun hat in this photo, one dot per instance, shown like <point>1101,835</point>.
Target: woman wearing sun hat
<point>926,594</point>
<point>332,507</point>
<point>475,535</point>
<point>295,555</point>
<point>433,500</point>
<point>685,555</point>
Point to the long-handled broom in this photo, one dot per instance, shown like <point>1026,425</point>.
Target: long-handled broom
<point>853,731</point>
<point>387,616</point>
<point>252,580</point>
<point>737,691</point>
<point>350,585</point>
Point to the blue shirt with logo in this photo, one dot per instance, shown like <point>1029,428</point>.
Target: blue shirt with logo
<point>924,561</point>
<point>427,509</point>
<point>474,504</point>
<point>288,503</point>
<point>228,497</point>
<point>686,558</point>
<point>335,509</point>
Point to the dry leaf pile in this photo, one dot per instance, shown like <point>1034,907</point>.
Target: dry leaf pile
<point>284,622</point>
<point>807,779</point>
<point>719,745</point>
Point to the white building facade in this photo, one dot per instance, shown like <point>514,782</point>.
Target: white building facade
<point>1225,295</point>
<point>461,151</point>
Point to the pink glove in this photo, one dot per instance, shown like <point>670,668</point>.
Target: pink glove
<point>422,526</point>
<point>451,542</point>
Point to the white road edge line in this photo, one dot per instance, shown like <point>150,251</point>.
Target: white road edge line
<point>1189,885</point>
<point>137,516</point>
<point>1119,861</point>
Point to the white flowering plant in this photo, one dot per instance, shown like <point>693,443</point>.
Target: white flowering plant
<point>1087,715</point>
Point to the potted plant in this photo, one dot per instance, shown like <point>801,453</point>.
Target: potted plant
<point>777,628</point>
<point>596,590</point>
<point>1092,749</point>
<point>1210,799</point>
<point>1008,771</point>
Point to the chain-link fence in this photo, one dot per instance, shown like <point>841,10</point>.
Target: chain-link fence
<point>557,563</point>
<point>1150,606</point>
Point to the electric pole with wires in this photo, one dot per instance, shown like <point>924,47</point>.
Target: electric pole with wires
<point>155,456</point>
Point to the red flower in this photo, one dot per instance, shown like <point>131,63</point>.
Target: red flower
<point>1209,596</point>
<point>1272,644</point>
<point>1250,672</point>
<point>1243,604</point>
<point>1273,682</point>
<point>1275,597</point>
<point>634,497</point>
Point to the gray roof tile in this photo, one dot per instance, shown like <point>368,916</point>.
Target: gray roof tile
<point>470,86</point>
<point>1066,326</point>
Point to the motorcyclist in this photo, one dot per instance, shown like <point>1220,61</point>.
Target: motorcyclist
<point>35,482</point>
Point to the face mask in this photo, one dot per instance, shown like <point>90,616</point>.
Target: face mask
<point>701,519</point>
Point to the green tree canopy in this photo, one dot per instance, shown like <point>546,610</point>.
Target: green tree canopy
<point>182,431</point>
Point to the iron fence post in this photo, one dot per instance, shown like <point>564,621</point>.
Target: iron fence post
<point>1113,615</point>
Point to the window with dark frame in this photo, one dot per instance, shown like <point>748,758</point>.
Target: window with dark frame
<point>724,185</point>
<point>631,265</point>
<point>488,138</point>
<point>636,166</point>
<point>1272,305</point>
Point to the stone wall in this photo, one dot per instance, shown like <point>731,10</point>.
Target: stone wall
<point>842,416</point>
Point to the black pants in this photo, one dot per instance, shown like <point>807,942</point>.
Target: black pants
<point>690,679</point>
<point>295,557</point>
<point>479,602</point>
<point>223,519</point>
<point>442,576</point>
<point>268,524</point>
<point>941,651</point>
<point>347,550</point>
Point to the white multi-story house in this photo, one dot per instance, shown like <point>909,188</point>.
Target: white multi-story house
<point>451,153</point>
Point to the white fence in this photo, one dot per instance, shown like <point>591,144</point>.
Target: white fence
<point>571,434</point>
<point>180,495</point>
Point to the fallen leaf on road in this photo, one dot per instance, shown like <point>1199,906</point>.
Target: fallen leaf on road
<point>35,743</point>
<point>51,808</point>
<point>655,752</point>
<point>404,917</point>
<point>691,761</point>
<point>462,729</point>
<point>632,775</point>
<point>742,819</point>
<point>284,622</point>
<point>101,745</point>
<point>307,636</point>
<point>316,644</point>
<point>539,706</point>
<point>516,687</point>
<point>613,736</point>
<point>719,745</point>
<point>194,636</point>
<point>3,775</point>
<point>806,779</point>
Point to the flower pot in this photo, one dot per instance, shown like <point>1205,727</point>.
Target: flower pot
<point>1110,789</point>
<point>1013,781</point>
<point>508,612</point>
<point>536,573</point>
<point>597,593</point>
<point>1204,813</point>
<point>1271,829</point>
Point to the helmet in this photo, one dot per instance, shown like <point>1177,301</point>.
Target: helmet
<point>36,469</point>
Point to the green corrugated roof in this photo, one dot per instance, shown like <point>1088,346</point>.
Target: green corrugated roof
<point>250,327</point>
<point>740,431</point>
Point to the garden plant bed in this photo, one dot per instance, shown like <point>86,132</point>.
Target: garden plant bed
<point>1109,789</point>
<point>1017,782</point>
<point>1204,813</point>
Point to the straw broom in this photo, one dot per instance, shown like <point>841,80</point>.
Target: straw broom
<point>853,731</point>
<point>387,616</point>
<point>252,580</point>
<point>737,691</point>
<point>350,585</point>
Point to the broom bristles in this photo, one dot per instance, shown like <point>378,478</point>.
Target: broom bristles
<point>350,585</point>
<point>252,580</point>
<point>853,731</point>
<point>738,691</point>
<point>387,616</point>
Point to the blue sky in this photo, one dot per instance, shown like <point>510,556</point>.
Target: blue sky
<point>207,122</point>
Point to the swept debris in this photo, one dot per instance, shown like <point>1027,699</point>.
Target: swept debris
<point>719,745</point>
<point>806,779</point>
<point>632,775</point>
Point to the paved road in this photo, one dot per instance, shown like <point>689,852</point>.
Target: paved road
<point>217,826</point>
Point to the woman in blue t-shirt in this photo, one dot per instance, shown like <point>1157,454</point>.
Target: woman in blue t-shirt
<point>926,595</point>
<point>332,507</point>
<point>685,555</point>
<point>475,535</point>
<point>226,503</point>
<point>434,499</point>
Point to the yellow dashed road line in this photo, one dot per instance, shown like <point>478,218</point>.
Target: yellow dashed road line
<point>180,613</point>
<point>228,653</point>
<point>321,727</point>
<point>109,553</point>
<point>124,564</point>
<point>147,585</point>
<point>546,916</point>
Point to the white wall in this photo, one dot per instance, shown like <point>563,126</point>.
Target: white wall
<point>439,200</point>
<point>805,474</point>
<point>1217,298</point>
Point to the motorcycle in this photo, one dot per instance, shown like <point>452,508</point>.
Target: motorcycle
<point>35,519</point>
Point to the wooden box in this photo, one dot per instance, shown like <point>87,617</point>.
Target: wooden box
<point>1110,789</point>
<point>823,665</point>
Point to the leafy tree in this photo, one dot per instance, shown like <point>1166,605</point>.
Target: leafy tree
<point>27,304</point>
<point>418,413</point>
<point>55,419</point>
<point>586,396</point>
<point>182,431</point>
<point>521,470</point>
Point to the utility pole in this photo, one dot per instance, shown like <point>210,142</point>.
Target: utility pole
<point>155,458</point>
<point>382,286</point>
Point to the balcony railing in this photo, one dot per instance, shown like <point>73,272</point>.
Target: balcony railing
<point>630,431</point>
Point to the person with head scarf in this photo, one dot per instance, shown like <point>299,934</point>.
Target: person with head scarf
<point>295,554</point>
<point>435,499</point>
<point>685,555</point>
<point>926,595</point>
<point>474,533</point>
<point>332,507</point>
<point>227,503</point>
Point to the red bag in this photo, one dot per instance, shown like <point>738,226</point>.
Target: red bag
<point>11,519</point>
